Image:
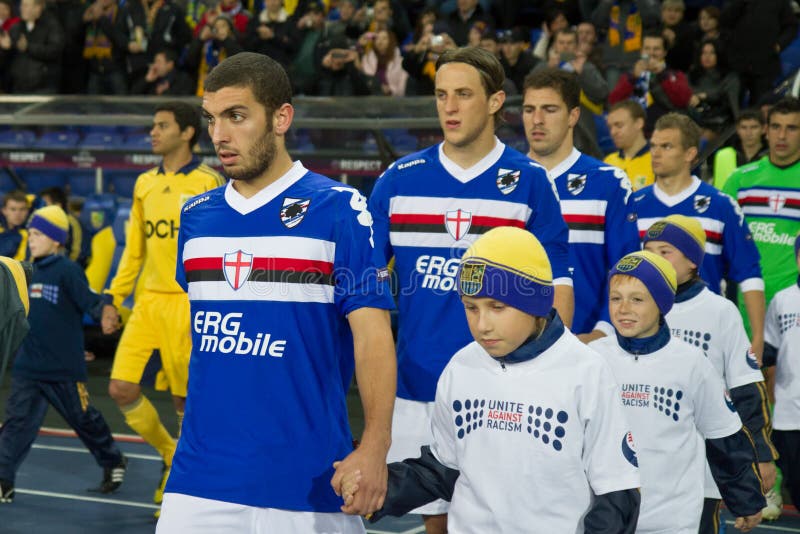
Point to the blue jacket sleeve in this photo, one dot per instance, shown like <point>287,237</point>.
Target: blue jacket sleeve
<point>378,206</point>
<point>750,401</point>
<point>740,252</point>
<point>616,512</point>
<point>81,294</point>
<point>415,482</point>
<point>732,462</point>
<point>547,223</point>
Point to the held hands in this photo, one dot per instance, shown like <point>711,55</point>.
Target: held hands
<point>109,321</point>
<point>746,524</point>
<point>349,486</point>
<point>361,479</point>
<point>768,475</point>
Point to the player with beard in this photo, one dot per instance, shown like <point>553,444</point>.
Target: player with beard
<point>288,298</point>
<point>160,316</point>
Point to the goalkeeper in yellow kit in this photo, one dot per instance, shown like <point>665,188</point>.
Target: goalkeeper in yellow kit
<point>160,318</point>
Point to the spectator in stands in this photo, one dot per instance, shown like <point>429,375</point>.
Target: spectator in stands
<point>748,146</point>
<point>461,20</point>
<point>757,32</point>
<point>622,23</point>
<point>346,24</point>
<point>304,69</point>
<point>555,21</point>
<point>235,12</point>
<point>55,196</point>
<point>133,22</point>
<point>13,234</point>
<point>387,15</point>
<point>31,51</point>
<point>588,46</point>
<point>420,62</point>
<point>708,22</point>
<point>7,17</point>
<point>424,26</point>
<point>658,88</point>
<point>105,49</point>
<point>679,35</point>
<point>169,27</point>
<point>564,55</point>
<point>516,60</point>
<point>341,73</point>
<point>272,33</point>
<point>626,125</point>
<point>715,90</point>
<point>73,65</point>
<point>164,78</point>
<point>216,42</point>
<point>385,63</point>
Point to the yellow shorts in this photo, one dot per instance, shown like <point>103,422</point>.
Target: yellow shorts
<point>159,321</point>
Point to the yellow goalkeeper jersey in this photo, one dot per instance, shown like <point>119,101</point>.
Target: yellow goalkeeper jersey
<point>151,240</point>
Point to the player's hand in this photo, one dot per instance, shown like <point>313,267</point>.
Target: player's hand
<point>349,486</point>
<point>109,321</point>
<point>746,524</point>
<point>370,462</point>
<point>768,475</point>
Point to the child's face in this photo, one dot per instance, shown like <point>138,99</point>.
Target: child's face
<point>684,268</point>
<point>40,244</point>
<point>496,326</point>
<point>633,311</point>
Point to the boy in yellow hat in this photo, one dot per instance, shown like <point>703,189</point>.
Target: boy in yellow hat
<point>49,368</point>
<point>527,425</point>
<point>677,406</point>
<point>713,323</point>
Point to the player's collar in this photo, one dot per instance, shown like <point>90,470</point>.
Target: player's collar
<point>674,200</point>
<point>553,329</point>
<point>646,345</point>
<point>565,165</point>
<point>186,169</point>
<point>689,290</point>
<point>465,175</point>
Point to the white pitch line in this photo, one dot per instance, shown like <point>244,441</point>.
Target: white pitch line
<point>415,530</point>
<point>768,527</point>
<point>153,457</point>
<point>85,498</point>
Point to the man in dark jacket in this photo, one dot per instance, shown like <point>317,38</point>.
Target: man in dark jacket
<point>164,78</point>
<point>31,50</point>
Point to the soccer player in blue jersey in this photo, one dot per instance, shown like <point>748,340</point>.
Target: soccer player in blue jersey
<point>287,298</point>
<point>593,194</point>
<point>730,251</point>
<point>432,205</point>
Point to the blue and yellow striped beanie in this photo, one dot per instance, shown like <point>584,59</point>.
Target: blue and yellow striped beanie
<point>656,273</point>
<point>52,222</point>
<point>682,232</point>
<point>510,265</point>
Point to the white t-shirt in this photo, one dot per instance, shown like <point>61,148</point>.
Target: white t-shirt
<point>782,330</point>
<point>673,399</point>
<point>713,324</point>
<point>533,440</point>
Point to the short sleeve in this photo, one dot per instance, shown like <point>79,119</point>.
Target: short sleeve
<point>378,206</point>
<point>714,412</point>
<point>741,365</point>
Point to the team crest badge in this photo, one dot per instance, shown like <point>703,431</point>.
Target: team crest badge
<point>237,266</point>
<point>777,202</point>
<point>701,203</point>
<point>97,219</point>
<point>629,449</point>
<point>576,183</point>
<point>628,264</point>
<point>507,180</point>
<point>457,223</point>
<point>655,230</point>
<point>471,278</point>
<point>293,211</point>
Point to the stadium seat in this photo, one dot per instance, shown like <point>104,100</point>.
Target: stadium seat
<point>137,142</point>
<point>118,227</point>
<point>38,179</point>
<point>98,212</point>
<point>101,141</point>
<point>17,138</point>
<point>81,182</point>
<point>121,181</point>
<point>58,139</point>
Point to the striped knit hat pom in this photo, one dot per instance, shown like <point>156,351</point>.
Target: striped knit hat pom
<point>52,222</point>
<point>682,232</point>
<point>656,273</point>
<point>510,265</point>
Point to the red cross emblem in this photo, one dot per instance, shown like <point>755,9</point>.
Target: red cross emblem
<point>457,223</point>
<point>237,266</point>
<point>776,202</point>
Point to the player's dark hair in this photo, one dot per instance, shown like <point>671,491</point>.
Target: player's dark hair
<point>784,106</point>
<point>488,66</point>
<point>57,196</point>
<point>562,82</point>
<point>690,131</point>
<point>185,115</point>
<point>750,114</point>
<point>264,76</point>
<point>631,106</point>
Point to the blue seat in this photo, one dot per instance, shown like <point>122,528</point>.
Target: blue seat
<point>17,138</point>
<point>38,179</point>
<point>139,142</point>
<point>118,227</point>
<point>101,141</point>
<point>58,139</point>
<point>81,182</point>
<point>99,211</point>
<point>121,181</point>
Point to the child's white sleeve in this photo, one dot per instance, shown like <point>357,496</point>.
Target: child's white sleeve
<point>741,365</point>
<point>714,413</point>
<point>444,439</point>
<point>609,450</point>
